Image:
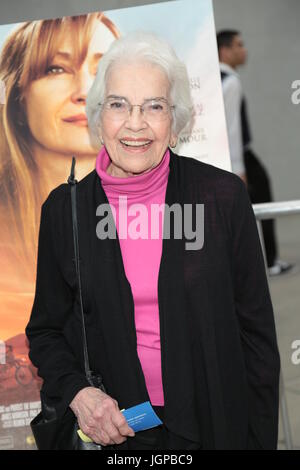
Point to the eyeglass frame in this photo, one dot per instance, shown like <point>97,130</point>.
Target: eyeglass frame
<point>131,106</point>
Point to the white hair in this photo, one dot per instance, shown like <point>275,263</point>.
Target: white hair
<point>136,47</point>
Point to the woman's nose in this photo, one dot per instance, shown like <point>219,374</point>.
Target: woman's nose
<point>83,80</point>
<point>135,119</point>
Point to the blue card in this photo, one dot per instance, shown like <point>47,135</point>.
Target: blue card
<point>141,417</point>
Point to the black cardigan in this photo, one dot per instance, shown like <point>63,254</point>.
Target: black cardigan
<point>220,360</point>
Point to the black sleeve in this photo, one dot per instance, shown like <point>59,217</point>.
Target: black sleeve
<point>257,327</point>
<point>53,303</point>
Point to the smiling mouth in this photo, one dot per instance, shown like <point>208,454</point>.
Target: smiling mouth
<point>136,143</point>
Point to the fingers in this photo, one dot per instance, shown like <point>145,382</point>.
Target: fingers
<point>119,420</point>
<point>100,419</point>
<point>113,434</point>
<point>114,429</point>
<point>104,439</point>
<point>114,419</point>
<point>97,436</point>
<point>110,426</point>
<point>106,435</point>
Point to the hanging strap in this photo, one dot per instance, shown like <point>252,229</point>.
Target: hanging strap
<point>73,182</point>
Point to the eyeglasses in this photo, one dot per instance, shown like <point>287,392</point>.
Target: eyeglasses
<point>153,110</point>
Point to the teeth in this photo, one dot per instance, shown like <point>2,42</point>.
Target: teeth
<point>132,143</point>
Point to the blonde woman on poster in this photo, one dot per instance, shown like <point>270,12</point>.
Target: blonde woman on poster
<point>47,68</point>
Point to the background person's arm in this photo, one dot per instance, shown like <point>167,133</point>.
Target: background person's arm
<point>232,94</point>
<point>257,327</point>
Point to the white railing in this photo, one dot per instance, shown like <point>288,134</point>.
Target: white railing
<point>273,210</point>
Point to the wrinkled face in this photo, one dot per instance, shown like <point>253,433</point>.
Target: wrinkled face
<point>55,103</point>
<point>135,144</point>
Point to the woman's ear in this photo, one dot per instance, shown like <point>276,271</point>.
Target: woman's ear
<point>173,141</point>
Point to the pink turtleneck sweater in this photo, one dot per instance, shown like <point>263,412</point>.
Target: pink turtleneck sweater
<point>141,258</point>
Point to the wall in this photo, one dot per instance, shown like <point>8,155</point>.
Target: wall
<point>270,29</point>
<point>16,10</point>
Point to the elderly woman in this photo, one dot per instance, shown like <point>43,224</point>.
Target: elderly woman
<point>186,325</point>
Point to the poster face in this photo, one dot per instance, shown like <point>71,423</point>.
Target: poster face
<point>46,70</point>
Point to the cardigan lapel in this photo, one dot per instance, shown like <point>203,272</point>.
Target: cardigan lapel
<point>178,382</point>
<point>109,296</point>
<point>181,348</point>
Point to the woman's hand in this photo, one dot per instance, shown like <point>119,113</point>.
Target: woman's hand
<point>99,417</point>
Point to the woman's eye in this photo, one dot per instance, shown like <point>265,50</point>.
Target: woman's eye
<point>117,105</point>
<point>55,70</point>
<point>155,107</point>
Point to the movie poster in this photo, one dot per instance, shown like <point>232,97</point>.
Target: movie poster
<point>46,70</point>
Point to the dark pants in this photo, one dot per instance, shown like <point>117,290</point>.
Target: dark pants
<point>259,189</point>
<point>156,438</point>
